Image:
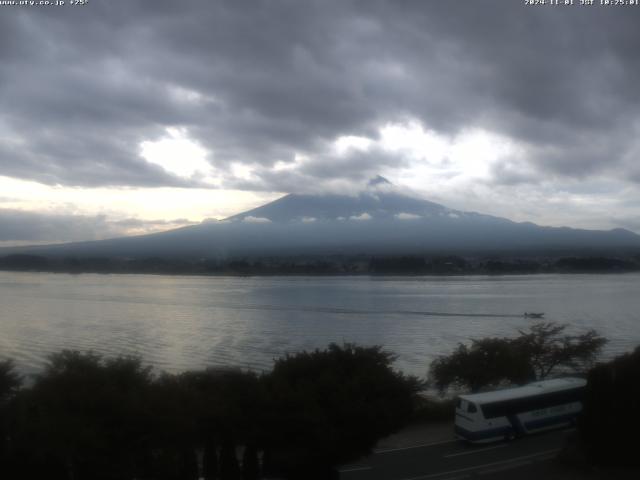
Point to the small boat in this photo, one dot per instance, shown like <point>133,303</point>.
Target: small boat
<point>533,314</point>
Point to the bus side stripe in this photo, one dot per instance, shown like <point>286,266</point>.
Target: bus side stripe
<point>545,422</point>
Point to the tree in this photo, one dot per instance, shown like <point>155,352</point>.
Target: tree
<point>547,348</point>
<point>227,412</point>
<point>535,354</point>
<point>84,417</point>
<point>87,417</point>
<point>487,361</point>
<point>173,408</point>
<point>331,406</point>
<point>10,380</point>
<point>213,410</point>
<point>608,428</point>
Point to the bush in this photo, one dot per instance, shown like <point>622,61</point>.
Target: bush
<point>84,416</point>
<point>610,423</point>
<point>87,417</point>
<point>10,381</point>
<point>331,406</point>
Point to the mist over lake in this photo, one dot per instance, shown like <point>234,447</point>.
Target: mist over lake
<point>177,323</point>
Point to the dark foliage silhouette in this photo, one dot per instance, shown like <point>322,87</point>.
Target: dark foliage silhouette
<point>84,417</point>
<point>331,406</point>
<point>10,382</point>
<point>610,422</point>
<point>535,354</point>
<point>548,348</point>
<point>88,417</point>
<point>487,361</point>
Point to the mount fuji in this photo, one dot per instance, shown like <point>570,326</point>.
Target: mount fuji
<point>380,220</point>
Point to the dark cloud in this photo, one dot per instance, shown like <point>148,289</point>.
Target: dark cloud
<point>319,172</point>
<point>18,226</point>
<point>259,82</point>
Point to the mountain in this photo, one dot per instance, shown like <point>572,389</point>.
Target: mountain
<point>379,220</point>
<point>326,208</point>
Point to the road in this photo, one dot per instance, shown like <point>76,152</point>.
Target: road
<point>455,460</point>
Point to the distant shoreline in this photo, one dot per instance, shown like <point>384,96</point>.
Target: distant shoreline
<point>378,266</point>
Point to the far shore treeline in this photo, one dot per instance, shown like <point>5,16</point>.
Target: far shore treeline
<point>330,265</point>
<point>85,416</point>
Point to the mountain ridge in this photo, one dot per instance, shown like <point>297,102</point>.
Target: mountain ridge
<point>380,220</point>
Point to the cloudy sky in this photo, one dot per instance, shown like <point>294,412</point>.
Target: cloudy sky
<point>122,117</point>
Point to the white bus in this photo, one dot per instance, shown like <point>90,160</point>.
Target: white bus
<point>509,413</point>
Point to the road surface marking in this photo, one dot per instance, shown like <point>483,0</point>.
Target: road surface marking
<point>387,450</point>
<point>479,450</point>
<point>354,469</point>
<point>516,464</point>
<point>502,468</point>
<point>477,467</point>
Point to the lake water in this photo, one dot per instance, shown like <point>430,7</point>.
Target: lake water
<point>177,323</point>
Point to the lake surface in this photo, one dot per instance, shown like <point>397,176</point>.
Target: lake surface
<point>177,323</point>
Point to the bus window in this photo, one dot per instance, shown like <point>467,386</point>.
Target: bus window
<point>458,402</point>
<point>472,408</point>
<point>532,402</point>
